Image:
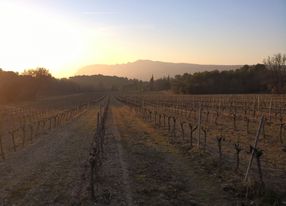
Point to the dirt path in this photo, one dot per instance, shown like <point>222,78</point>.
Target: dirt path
<point>48,171</point>
<point>123,163</point>
<point>159,174</point>
<point>112,181</point>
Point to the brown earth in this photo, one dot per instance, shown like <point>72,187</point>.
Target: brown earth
<point>48,171</point>
<point>139,167</point>
<point>159,173</point>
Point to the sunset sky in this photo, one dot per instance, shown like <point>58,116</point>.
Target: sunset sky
<point>64,35</point>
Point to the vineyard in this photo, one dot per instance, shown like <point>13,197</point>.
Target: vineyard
<point>144,149</point>
<point>20,125</point>
<point>244,132</point>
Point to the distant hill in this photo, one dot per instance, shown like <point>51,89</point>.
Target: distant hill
<point>144,69</point>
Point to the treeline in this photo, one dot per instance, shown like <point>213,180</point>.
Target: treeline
<point>33,84</point>
<point>101,83</point>
<point>248,79</point>
<point>269,77</point>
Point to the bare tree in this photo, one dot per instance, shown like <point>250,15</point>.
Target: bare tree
<point>277,65</point>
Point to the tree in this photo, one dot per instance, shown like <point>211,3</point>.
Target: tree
<point>151,83</point>
<point>38,72</point>
<point>277,65</point>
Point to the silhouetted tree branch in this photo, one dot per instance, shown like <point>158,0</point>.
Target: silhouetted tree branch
<point>276,64</point>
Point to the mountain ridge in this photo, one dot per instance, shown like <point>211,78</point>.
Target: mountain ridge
<point>144,69</point>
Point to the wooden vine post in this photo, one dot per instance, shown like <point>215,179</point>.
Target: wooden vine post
<point>270,108</point>
<point>281,126</point>
<point>24,134</point>
<point>31,132</point>
<point>12,133</point>
<point>1,148</point>
<point>261,122</point>
<point>159,123</point>
<point>205,130</point>
<point>199,127</point>
<point>238,150</point>
<point>182,130</point>
<point>219,141</point>
<point>258,153</point>
<point>174,127</point>
<point>247,124</point>
<point>92,161</point>
<point>192,130</point>
<point>169,124</point>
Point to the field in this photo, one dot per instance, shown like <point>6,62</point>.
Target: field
<point>144,149</point>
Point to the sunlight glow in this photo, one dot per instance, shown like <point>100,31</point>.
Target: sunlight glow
<point>64,36</point>
<point>31,38</point>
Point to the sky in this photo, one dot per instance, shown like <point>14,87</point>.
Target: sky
<point>65,35</point>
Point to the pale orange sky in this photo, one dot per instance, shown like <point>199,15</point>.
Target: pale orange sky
<point>64,36</point>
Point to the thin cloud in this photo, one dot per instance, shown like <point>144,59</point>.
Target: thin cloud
<point>98,12</point>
